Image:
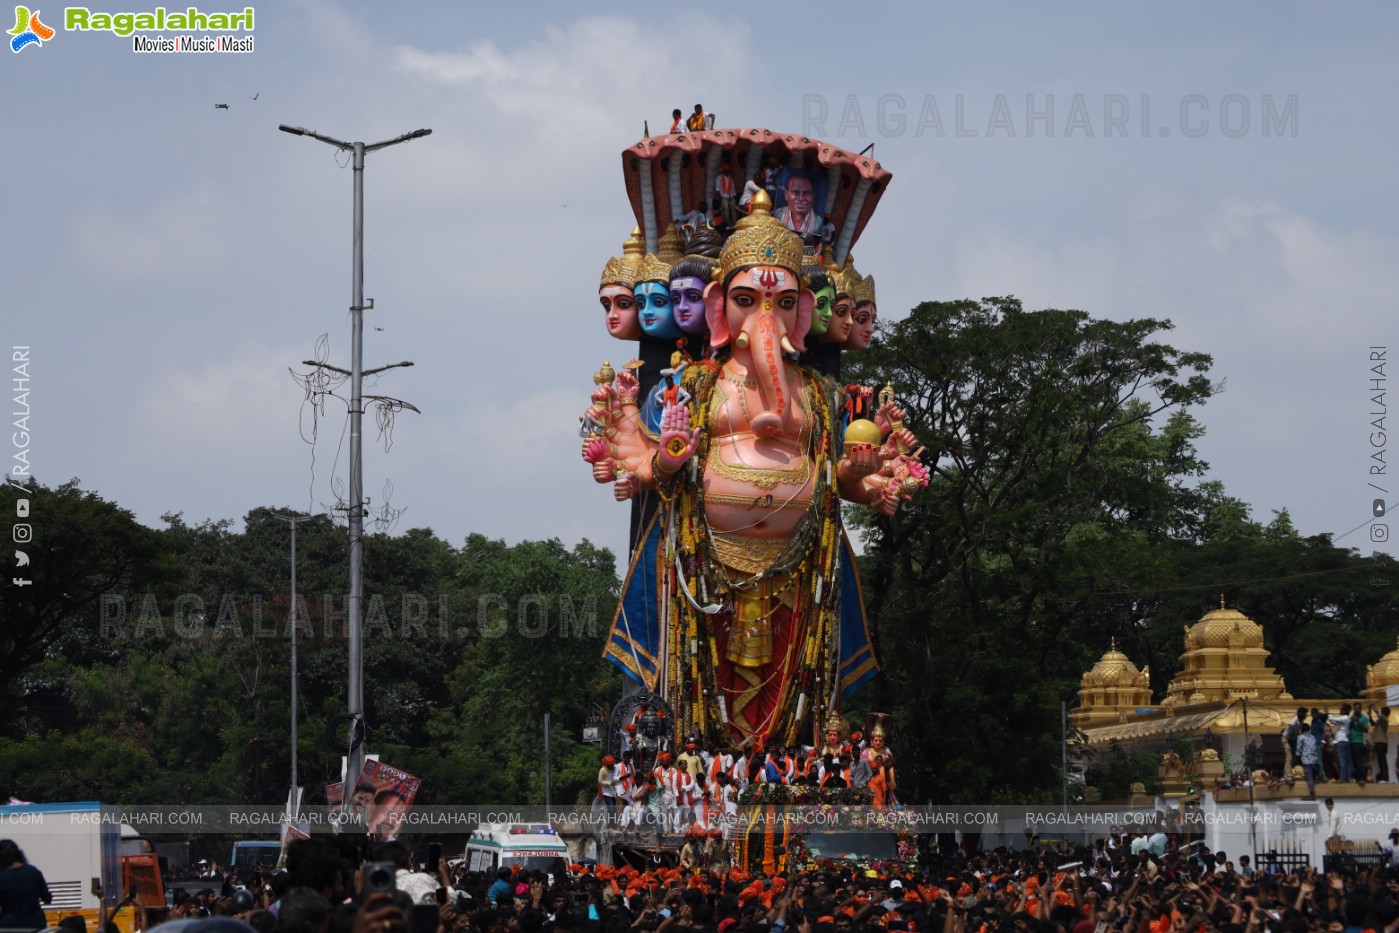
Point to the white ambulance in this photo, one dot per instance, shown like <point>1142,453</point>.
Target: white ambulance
<point>533,847</point>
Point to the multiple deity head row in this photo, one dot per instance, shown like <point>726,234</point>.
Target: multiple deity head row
<point>662,294</point>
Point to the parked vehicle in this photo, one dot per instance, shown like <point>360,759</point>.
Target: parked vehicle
<point>255,853</point>
<point>79,848</point>
<point>531,847</point>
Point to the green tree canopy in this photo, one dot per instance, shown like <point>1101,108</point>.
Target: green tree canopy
<point>1067,507</point>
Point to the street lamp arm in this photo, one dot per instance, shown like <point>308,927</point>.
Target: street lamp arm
<point>302,131</point>
<point>334,369</point>
<point>371,372</point>
<point>395,402</point>
<point>416,134</point>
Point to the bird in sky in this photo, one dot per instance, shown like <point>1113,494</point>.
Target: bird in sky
<point>255,96</point>
<point>221,106</point>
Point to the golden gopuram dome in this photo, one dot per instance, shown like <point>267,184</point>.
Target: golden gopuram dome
<point>1225,692</point>
<point>1224,660</point>
<point>1112,690</point>
<point>1380,676</point>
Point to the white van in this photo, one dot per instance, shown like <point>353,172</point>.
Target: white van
<point>530,846</point>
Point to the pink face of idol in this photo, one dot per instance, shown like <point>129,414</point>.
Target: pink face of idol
<point>687,304</point>
<point>862,330</point>
<point>762,290</point>
<point>619,312</point>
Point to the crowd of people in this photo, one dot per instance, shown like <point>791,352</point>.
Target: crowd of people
<point>652,789</point>
<point>1352,746</point>
<point>1112,886</point>
<point>792,193</point>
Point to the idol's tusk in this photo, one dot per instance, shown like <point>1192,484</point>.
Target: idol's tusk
<point>742,340</point>
<point>787,346</point>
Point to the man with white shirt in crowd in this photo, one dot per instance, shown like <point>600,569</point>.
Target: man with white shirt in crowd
<point>418,885</point>
<point>1391,850</point>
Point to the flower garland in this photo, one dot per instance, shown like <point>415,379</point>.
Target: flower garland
<point>800,795</point>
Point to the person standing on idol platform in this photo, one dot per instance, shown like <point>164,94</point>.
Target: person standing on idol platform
<point>750,188</point>
<point>725,189</point>
<point>607,778</point>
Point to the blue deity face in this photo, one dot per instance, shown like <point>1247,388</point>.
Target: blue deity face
<point>653,309</point>
<point>687,298</point>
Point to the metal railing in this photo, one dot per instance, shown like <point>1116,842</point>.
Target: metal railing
<point>1280,863</point>
<point>1352,862</point>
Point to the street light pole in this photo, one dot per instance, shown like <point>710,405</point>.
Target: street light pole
<point>548,768</point>
<point>293,795</point>
<point>355,698</point>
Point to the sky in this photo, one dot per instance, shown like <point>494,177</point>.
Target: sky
<point>169,262</point>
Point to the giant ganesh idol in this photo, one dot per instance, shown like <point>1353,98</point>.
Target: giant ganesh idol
<point>741,605</point>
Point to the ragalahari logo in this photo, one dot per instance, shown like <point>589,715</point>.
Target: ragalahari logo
<point>28,30</point>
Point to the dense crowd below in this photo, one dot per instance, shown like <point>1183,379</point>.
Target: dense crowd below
<point>1117,885</point>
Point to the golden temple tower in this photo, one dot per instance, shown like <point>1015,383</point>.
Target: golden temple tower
<point>1381,676</point>
<point>1224,660</point>
<point>1111,691</point>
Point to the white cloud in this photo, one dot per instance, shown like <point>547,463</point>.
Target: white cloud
<point>169,237</point>
<point>1285,303</point>
<point>1308,287</point>
<point>512,462</point>
<point>216,407</point>
<point>570,80</point>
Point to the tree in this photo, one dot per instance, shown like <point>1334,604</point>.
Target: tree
<point>83,548</point>
<point>539,616</point>
<point>1064,450</point>
<point>465,650</point>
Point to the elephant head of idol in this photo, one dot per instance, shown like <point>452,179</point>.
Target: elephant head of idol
<point>757,304</point>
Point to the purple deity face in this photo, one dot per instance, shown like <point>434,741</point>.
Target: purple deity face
<point>653,310</point>
<point>687,303</point>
